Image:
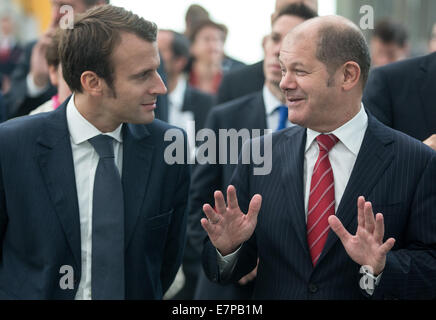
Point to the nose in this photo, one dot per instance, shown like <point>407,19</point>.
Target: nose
<point>158,87</point>
<point>288,82</point>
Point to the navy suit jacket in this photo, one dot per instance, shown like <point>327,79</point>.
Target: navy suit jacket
<point>39,213</point>
<point>402,95</point>
<point>393,171</point>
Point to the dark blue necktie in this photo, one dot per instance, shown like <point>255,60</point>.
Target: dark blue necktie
<point>283,112</point>
<point>107,267</point>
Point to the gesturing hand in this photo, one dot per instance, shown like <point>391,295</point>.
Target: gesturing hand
<point>366,247</point>
<point>228,227</point>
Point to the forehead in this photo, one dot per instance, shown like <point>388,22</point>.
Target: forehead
<point>133,53</point>
<point>301,50</point>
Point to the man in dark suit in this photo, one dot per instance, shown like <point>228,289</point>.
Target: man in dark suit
<point>402,96</point>
<point>259,110</point>
<point>89,209</point>
<point>340,156</point>
<point>185,104</point>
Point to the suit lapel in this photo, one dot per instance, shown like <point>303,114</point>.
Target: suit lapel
<point>373,159</point>
<point>137,161</point>
<point>292,162</point>
<point>427,90</point>
<point>255,112</point>
<point>55,159</point>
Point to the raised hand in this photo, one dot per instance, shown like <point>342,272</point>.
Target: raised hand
<point>366,247</point>
<point>227,226</point>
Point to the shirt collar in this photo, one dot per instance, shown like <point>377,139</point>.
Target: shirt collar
<point>178,95</point>
<point>271,102</point>
<point>350,134</point>
<point>81,129</point>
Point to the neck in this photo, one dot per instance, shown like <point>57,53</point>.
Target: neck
<point>90,109</point>
<point>206,69</point>
<point>348,114</point>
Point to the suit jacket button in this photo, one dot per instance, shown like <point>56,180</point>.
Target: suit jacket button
<point>313,288</point>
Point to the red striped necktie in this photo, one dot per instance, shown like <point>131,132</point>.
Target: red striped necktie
<point>321,198</point>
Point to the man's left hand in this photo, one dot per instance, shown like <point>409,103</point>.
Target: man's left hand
<point>366,248</point>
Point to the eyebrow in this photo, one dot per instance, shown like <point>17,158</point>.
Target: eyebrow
<point>139,74</point>
<point>293,65</point>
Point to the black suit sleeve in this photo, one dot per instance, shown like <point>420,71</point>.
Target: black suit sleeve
<point>206,179</point>
<point>3,215</point>
<point>247,256</point>
<point>377,97</point>
<point>410,273</point>
<point>177,231</point>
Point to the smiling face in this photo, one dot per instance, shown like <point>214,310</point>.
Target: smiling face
<point>310,91</point>
<point>136,82</point>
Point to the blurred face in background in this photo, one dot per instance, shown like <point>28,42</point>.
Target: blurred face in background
<point>273,42</point>
<point>164,41</point>
<point>383,53</point>
<point>208,46</point>
<point>6,26</point>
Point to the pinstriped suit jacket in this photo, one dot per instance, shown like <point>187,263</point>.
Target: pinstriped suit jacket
<point>393,171</point>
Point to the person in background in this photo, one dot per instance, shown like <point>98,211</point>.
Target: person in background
<point>402,95</point>
<point>56,77</point>
<point>251,78</point>
<point>209,62</point>
<point>194,15</point>
<point>185,104</point>
<point>432,42</point>
<point>10,52</point>
<point>389,43</point>
<point>30,85</point>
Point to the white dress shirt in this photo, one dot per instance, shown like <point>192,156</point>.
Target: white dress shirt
<point>342,158</point>
<point>271,104</point>
<point>176,116</point>
<point>85,164</point>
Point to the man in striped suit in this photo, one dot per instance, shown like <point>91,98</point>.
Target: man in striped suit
<point>329,177</point>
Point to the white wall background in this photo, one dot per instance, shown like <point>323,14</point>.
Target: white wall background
<point>247,20</point>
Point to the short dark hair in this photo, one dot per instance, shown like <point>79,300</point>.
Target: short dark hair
<point>338,45</point>
<point>389,31</point>
<point>298,9</point>
<point>180,46</point>
<point>207,23</point>
<point>90,44</point>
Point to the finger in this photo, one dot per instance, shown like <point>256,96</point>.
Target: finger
<point>232,199</point>
<point>369,218</point>
<point>338,228</point>
<point>360,209</point>
<point>387,246</point>
<point>207,226</point>
<point>254,207</point>
<point>379,228</point>
<point>220,204</point>
<point>211,215</point>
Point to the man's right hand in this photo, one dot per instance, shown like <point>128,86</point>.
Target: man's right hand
<point>38,63</point>
<point>228,227</point>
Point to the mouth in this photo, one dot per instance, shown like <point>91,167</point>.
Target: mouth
<point>294,100</point>
<point>150,105</point>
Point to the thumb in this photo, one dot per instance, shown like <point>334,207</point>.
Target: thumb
<point>338,228</point>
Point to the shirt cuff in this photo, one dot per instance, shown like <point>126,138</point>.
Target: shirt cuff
<point>368,281</point>
<point>227,263</point>
<point>32,89</point>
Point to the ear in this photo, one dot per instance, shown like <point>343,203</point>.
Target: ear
<point>350,75</point>
<point>92,83</point>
